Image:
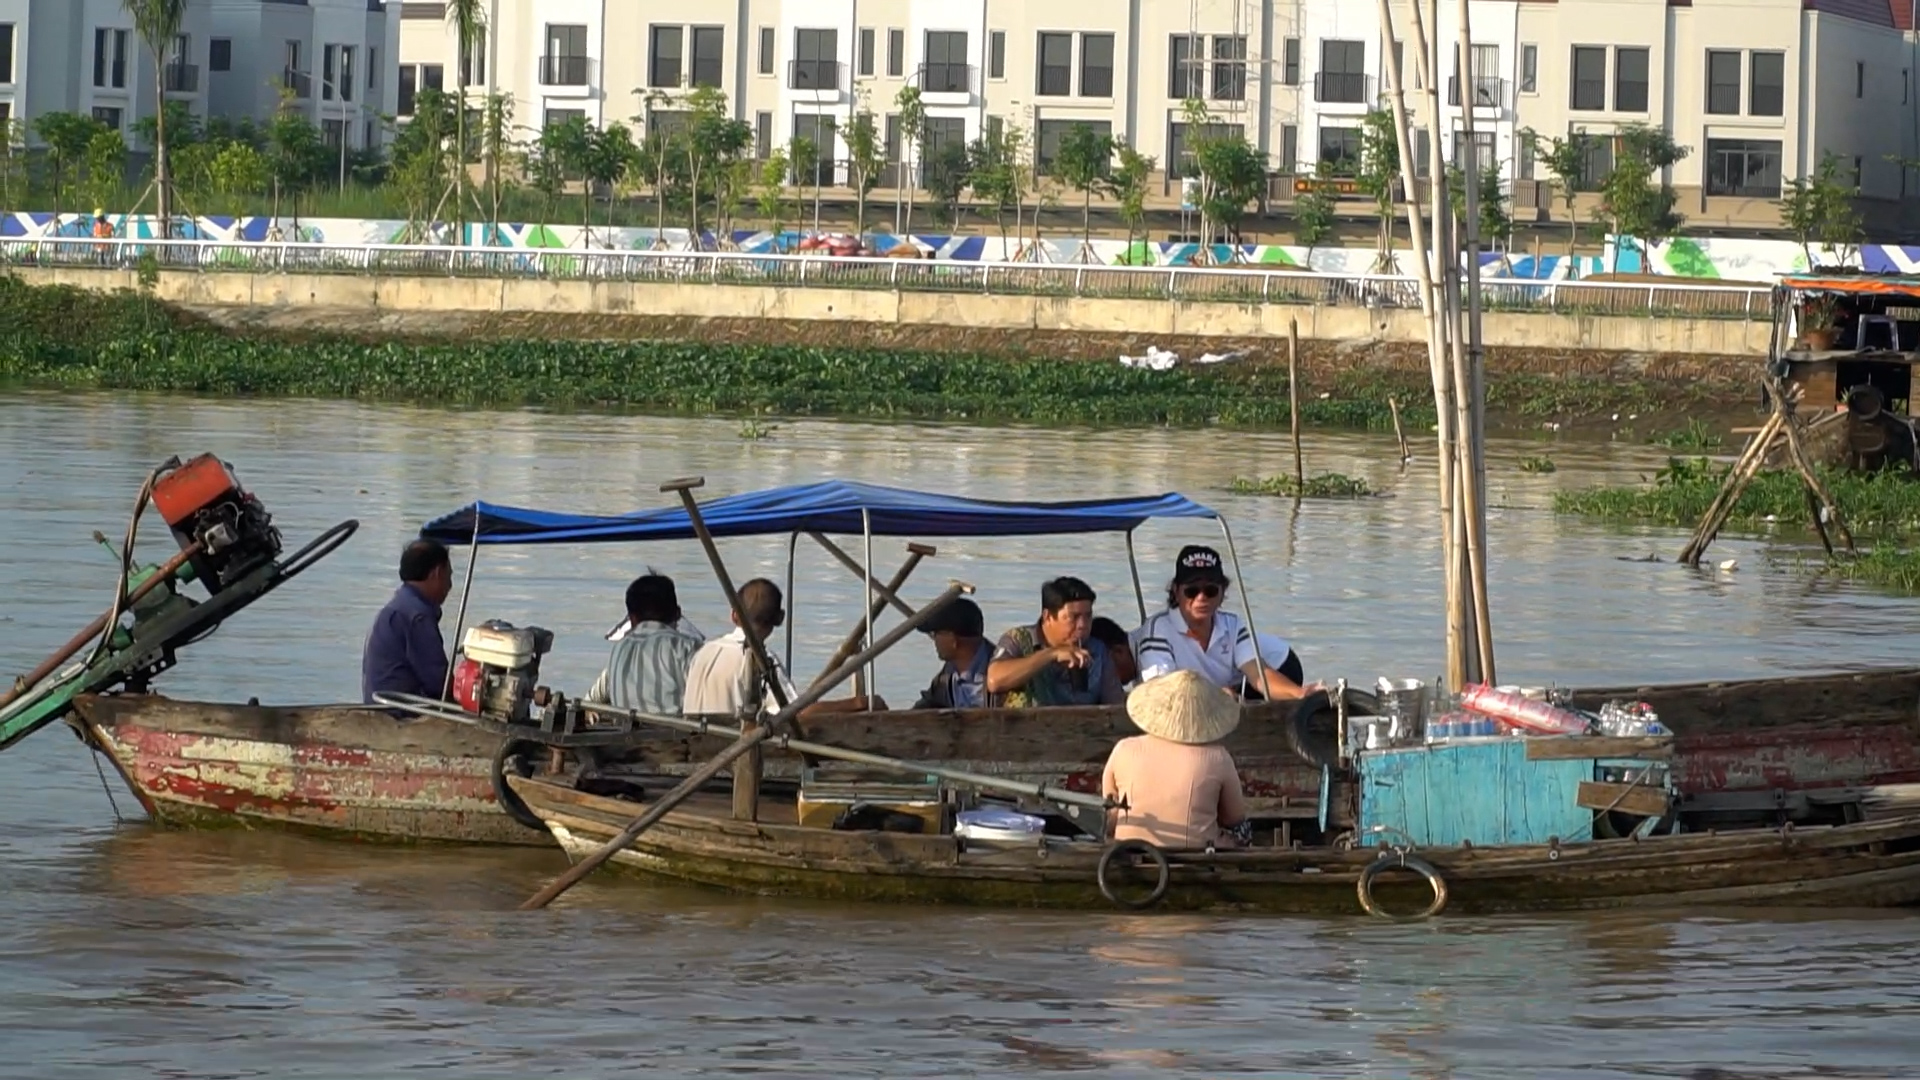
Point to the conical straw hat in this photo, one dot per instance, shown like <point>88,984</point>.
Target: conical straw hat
<point>1183,707</point>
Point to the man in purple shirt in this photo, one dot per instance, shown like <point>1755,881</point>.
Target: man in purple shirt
<point>404,653</point>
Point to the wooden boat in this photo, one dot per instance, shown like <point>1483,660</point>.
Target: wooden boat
<point>1873,864</point>
<point>1806,746</point>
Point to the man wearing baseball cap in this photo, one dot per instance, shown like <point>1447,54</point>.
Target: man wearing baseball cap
<point>959,640</point>
<point>1194,634</point>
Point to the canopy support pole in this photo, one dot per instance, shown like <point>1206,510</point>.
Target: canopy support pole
<point>466,590</point>
<point>864,684</point>
<point>1246,608</point>
<point>1133,567</point>
<point>793,547</point>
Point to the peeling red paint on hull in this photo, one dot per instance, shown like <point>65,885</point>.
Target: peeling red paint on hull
<point>195,777</point>
<point>1799,758</point>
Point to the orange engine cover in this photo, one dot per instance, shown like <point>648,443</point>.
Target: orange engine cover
<point>193,487</point>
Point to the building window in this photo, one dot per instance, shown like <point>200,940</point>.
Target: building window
<point>110,59</point>
<point>1290,62</point>
<point>1767,84</point>
<point>432,77</point>
<point>1630,80</point>
<point>816,60</point>
<point>1342,76</point>
<point>1480,148</point>
<point>1859,78</point>
<point>329,58</point>
<point>946,70</point>
<point>1595,165</point>
<point>866,52</point>
<point>896,53</point>
<point>333,131</point>
<point>1230,68</point>
<point>346,73</point>
<point>557,117</point>
<point>709,44</point>
<point>1053,132</point>
<point>565,61</point>
<point>763,135</point>
<point>1529,69</point>
<point>6,52</point>
<point>1056,66</point>
<point>1723,83</point>
<point>409,84</point>
<point>108,115</point>
<point>1524,170</point>
<point>1486,78</point>
<point>1096,65</point>
<point>1179,152</point>
<point>1289,147</point>
<point>1747,168</point>
<point>473,63</point>
<point>942,131</point>
<point>1186,75</point>
<point>663,56</point>
<point>373,70</point>
<point>1340,149</point>
<point>892,140</point>
<point>997,54</point>
<point>1589,78</point>
<point>766,50</point>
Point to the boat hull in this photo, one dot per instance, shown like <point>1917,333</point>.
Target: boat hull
<point>1868,865</point>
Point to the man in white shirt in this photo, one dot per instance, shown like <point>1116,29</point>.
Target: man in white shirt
<point>723,677</point>
<point>1194,634</point>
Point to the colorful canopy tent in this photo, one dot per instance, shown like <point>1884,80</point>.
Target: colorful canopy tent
<point>1887,285</point>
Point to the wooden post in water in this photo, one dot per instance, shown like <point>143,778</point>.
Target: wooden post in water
<point>1293,403</point>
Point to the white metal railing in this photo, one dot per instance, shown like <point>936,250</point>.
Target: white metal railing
<point>1228,284</point>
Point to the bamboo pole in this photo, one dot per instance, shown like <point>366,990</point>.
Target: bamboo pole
<point>1399,434</point>
<point>1470,385</point>
<point>851,643</point>
<point>1293,403</point>
<point>1729,493</point>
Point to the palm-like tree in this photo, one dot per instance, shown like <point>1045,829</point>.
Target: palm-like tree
<point>469,21</point>
<point>158,24</point>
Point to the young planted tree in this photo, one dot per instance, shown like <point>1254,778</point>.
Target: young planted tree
<point>1129,187</point>
<point>1495,222</point>
<point>469,21</point>
<point>770,194</point>
<point>710,141</point>
<point>15,179</point>
<point>1566,159</point>
<point>1635,199</point>
<point>66,136</point>
<point>237,173</point>
<point>944,172</point>
<point>496,147</point>
<point>420,158</point>
<point>606,158</point>
<point>106,159</point>
<point>866,156</point>
<point>912,119</point>
<point>1819,209</point>
<point>158,24</point>
<point>1084,163</point>
<point>1231,172</point>
<point>546,174</point>
<point>296,152</point>
<point>1313,211</point>
<point>1378,176</point>
<point>996,174</point>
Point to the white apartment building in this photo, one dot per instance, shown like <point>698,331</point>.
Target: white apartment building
<point>231,56</point>
<point>1757,89</point>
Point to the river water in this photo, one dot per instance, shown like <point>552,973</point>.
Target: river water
<point>131,951</point>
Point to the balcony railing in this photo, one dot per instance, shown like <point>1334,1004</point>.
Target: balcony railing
<point>300,82</point>
<point>946,79</point>
<point>182,78</point>
<point>813,75</point>
<point>1341,87</point>
<point>1489,92</point>
<point>564,70</point>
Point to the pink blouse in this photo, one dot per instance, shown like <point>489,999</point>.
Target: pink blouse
<point>1178,795</point>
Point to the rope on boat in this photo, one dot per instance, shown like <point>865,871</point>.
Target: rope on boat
<point>1163,878</point>
<point>1398,859</point>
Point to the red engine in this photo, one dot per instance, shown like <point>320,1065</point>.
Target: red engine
<point>466,684</point>
<point>203,503</point>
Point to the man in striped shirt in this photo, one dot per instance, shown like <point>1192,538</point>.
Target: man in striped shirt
<point>648,668</point>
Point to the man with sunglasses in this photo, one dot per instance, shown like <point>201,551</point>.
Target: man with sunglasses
<point>1195,635</point>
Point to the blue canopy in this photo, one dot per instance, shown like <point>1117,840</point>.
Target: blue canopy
<point>833,506</point>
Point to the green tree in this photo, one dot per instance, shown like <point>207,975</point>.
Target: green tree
<point>496,147</point>
<point>1819,209</point>
<point>997,172</point>
<point>866,156</point>
<point>711,141</point>
<point>771,193</point>
<point>158,24</point>
<point>106,159</point>
<point>237,173</point>
<point>943,170</point>
<point>1129,189</point>
<point>1635,199</point>
<point>15,179</point>
<point>1232,174</point>
<point>1084,163</point>
<point>608,155</point>
<point>1313,210</point>
<point>469,21</point>
<point>1378,175</point>
<point>546,174</point>
<point>1495,222</point>
<point>912,114</point>
<point>1566,159</point>
<point>66,135</point>
<point>420,158</point>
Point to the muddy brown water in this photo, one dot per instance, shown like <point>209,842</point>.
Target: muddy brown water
<point>132,951</point>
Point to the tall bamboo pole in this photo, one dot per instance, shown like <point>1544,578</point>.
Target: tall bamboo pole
<point>1468,383</point>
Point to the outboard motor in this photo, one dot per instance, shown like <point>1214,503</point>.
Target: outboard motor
<point>499,670</point>
<point>203,503</point>
<point>1877,439</point>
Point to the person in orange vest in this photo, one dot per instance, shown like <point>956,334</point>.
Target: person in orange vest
<point>102,230</point>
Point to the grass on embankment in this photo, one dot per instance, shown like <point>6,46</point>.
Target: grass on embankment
<point>1881,509</point>
<point>66,337</point>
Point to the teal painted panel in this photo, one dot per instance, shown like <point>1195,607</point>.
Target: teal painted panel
<point>1483,792</point>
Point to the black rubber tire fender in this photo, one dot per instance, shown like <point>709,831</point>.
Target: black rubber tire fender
<point>516,808</point>
<point>1313,730</point>
<point>1134,847</point>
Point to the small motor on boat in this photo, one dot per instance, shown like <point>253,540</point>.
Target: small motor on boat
<point>498,670</point>
<point>203,502</point>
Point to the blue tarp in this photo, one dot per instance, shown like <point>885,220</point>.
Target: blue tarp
<point>833,507</point>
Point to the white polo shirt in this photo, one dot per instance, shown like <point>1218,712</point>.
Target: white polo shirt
<point>1162,645</point>
<point>720,679</point>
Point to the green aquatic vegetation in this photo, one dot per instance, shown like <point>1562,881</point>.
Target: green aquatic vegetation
<point>1537,463</point>
<point>1887,567</point>
<point>754,430</point>
<point>1883,504</point>
<point>1697,435</point>
<point>1322,486</point>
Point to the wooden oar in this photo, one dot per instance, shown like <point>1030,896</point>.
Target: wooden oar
<point>749,739</point>
<point>860,572</point>
<point>915,552</point>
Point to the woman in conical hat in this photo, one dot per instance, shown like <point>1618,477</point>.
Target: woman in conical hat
<point>1177,784</point>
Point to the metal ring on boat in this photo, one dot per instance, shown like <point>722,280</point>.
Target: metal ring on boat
<point>515,807</point>
<point>1402,861</point>
<point>1135,847</point>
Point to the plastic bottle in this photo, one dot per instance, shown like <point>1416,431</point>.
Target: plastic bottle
<point>1529,716</point>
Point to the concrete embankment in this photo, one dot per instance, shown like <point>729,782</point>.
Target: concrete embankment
<point>1334,338</point>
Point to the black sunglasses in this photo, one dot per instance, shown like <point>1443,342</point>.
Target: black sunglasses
<point>1194,592</point>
